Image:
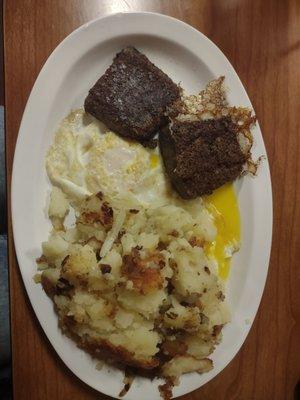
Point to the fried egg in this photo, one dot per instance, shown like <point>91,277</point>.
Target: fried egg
<point>85,158</point>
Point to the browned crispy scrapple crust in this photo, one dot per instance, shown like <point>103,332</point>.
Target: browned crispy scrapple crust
<point>201,156</point>
<point>132,96</point>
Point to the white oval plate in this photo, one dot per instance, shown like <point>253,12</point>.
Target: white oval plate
<point>189,57</point>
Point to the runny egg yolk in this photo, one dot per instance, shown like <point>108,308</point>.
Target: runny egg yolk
<point>223,205</point>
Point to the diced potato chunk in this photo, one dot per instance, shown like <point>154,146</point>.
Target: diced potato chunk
<point>183,364</point>
<point>79,264</point>
<point>148,305</point>
<point>59,205</point>
<point>55,246</point>
<point>180,317</point>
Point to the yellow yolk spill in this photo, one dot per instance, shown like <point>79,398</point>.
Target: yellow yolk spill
<point>154,160</point>
<point>223,205</point>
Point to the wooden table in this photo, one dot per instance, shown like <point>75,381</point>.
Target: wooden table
<point>261,38</point>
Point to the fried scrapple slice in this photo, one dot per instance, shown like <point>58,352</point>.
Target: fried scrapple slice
<point>201,156</point>
<point>132,96</point>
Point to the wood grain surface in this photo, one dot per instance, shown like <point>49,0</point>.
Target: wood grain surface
<point>1,63</point>
<point>261,38</point>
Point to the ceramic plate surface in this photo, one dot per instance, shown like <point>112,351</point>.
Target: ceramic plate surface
<point>187,56</point>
